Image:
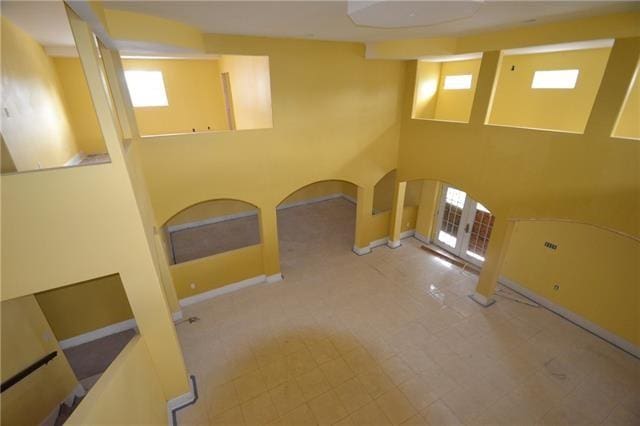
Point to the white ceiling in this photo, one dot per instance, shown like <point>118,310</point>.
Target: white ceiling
<point>328,20</point>
<point>322,20</point>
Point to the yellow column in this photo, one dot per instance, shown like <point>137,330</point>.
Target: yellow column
<point>140,278</point>
<point>427,210</point>
<point>395,224</point>
<point>270,245</point>
<point>498,246</point>
<point>363,219</point>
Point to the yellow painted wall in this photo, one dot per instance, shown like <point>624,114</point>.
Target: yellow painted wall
<point>598,272</point>
<point>84,307</point>
<point>216,271</point>
<point>517,104</point>
<point>38,132</point>
<point>250,90</point>
<point>78,101</point>
<point>194,94</point>
<point>431,101</point>
<point>210,209</point>
<point>27,337</point>
<point>427,208</point>
<point>128,392</point>
<point>455,105</point>
<point>525,173</point>
<point>320,189</point>
<point>380,223</point>
<point>629,121</point>
<point>383,193</point>
<point>425,95</point>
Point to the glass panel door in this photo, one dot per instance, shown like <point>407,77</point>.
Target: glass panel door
<point>464,225</point>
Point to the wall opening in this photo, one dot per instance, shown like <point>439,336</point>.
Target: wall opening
<point>445,88</point>
<point>316,222</point>
<point>549,87</point>
<point>92,321</point>
<point>210,228</point>
<point>628,123</point>
<point>206,93</point>
<point>47,116</point>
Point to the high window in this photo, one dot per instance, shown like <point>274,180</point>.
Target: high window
<point>146,88</point>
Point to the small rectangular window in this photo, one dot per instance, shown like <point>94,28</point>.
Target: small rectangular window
<point>557,79</point>
<point>146,88</point>
<point>457,82</point>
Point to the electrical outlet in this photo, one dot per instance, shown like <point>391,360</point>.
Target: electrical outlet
<point>549,245</point>
<point>192,285</point>
<point>556,287</point>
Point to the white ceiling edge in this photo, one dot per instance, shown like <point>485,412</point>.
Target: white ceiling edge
<point>177,56</point>
<point>61,51</point>
<point>561,47</point>
<point>451,58</point>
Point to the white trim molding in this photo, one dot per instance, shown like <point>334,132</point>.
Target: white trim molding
<point>177,316</point>
<point>217,219</point>
<point>572,317</point>
<point>421,237</point>
<point>275,278</point>
<point>76,159</point>
<point>229,288</point>
<point>482,300</point>
<point>393,244</point>
<point>183,400</point>
<point>362,251</point>
<point>98,334</point>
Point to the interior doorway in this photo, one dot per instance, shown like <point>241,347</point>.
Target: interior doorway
<point>463,225</point>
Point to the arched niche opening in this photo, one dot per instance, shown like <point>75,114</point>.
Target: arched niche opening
<point>317,221</point>
<point>210,228</point>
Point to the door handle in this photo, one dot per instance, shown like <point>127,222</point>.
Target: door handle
<point>466,228</point>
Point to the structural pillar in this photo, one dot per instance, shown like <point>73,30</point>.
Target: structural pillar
<point>270,244</point>
<point>395,224</point>
<point>496,251</point>
<point>364,208</point>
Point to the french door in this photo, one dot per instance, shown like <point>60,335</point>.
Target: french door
<point>463,225</point>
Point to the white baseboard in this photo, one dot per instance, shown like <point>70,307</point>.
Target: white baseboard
<point>573,317</point>
<point>229,288</point>
<point>393,244</point>
<point>98,334</point>
<point>349,198</point>
<point>378,243</point>
<point>361,251</point>
<point>407,234</point>
<point>181,401</point>
<point>76,159</point>
<point>241,215</point>
<point>482,300</point>
<point>274,278</point>
<point>420,237</point>
<point>51,418</point>
<point>211,220</point>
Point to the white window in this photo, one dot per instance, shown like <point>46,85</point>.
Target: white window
<point>556,79</point>
<point>457,82</point>
<point>146,88</point>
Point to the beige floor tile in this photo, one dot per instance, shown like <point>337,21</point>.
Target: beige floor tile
<point>231,417</point>
<point>369,415</point>
<point>337,371</point>
<point>439,414</point>
<point>396,406</point>
<point>286,397</point>
<point>352,395</point>
<point>327,409</point>
<point>259,410</point>
<point>313,384</point>
<point>376,382</point>
<point>222,398</point>
<point>301,416</point>
<point>249,386</point>
<point>400,319</point>
<point>417,420</point>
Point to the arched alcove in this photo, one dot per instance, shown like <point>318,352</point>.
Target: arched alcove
<point>211,227</point>
<point>315,220</point>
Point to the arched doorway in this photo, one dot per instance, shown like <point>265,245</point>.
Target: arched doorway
<point>316,223</point>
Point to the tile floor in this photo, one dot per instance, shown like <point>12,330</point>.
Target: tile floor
<point>391,338</point>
